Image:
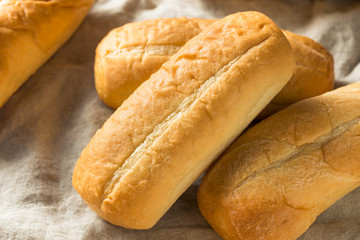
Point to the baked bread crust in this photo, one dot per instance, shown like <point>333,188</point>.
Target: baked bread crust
<point>276,178</point>
<point>128,56</point>
<point>313,74</point>
<point>30,33</point>
<point>176,123</point>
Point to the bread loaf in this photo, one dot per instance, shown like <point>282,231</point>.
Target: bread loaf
<point>313,74</point>
<point>276,178</point>
<point>176,123</point>
<point>30,32</point>
<point>128,56</point>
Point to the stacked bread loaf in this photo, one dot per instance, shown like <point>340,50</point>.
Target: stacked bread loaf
<point>185,89</point>
<point>275,179</point>
<point>176,123</point>
<point>128,56</point>
<point>30,33</point>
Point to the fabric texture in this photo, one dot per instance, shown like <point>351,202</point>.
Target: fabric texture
<point>51,118</point>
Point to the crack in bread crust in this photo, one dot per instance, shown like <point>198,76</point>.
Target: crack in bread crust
<point>115,177</point>
<point>156,50</point>
<point>305,148</point>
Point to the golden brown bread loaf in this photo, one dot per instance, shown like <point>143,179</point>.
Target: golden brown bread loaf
<point>276,178</point>
<point>313,74</point>
<point>128,56</point>
<point>30,33</point>
<point>176,123</point>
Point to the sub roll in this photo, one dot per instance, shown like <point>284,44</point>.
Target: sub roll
<point>30,33</point>
<point>128,56</point>
<point>313,74</point>
<point>175,124</point>
<point>277,177</point>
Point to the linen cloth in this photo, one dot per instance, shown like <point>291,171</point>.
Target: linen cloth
<point>51,118</point>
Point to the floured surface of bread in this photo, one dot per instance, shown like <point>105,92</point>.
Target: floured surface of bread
<point>176,123</point>
<point>276,178</point>
<point>30,33</point>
